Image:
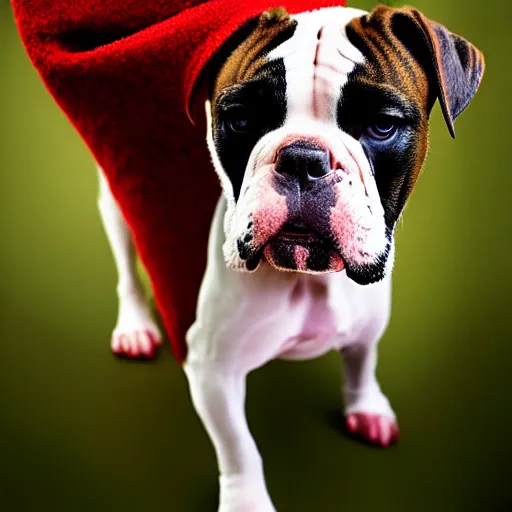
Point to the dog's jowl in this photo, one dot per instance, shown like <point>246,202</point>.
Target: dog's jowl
<point>317,127</point>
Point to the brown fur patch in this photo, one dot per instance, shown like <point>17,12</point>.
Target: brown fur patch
<point>248,59</point>
<point>390,66</point>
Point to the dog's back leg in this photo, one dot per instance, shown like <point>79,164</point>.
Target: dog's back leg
<point>135,334</point>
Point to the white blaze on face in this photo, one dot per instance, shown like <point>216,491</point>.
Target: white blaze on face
<point>318,59</point>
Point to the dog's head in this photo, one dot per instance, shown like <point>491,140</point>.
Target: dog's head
<point>318,125</point>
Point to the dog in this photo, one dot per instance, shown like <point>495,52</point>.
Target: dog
<point>317,125</point>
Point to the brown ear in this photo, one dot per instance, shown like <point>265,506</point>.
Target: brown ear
<point>454,66</point>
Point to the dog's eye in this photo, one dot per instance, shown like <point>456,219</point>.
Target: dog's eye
<point>383,128</point>
<point>239,120</point>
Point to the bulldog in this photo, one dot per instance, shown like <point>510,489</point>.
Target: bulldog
<point>317,125</point>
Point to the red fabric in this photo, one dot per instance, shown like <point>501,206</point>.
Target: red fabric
<point>123,71</point>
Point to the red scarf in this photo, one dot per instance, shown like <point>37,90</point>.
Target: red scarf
<point>123,72</point>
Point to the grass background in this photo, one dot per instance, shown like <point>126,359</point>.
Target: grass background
<point>81,430</point>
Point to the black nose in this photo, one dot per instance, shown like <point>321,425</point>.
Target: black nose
<point>304,160</point>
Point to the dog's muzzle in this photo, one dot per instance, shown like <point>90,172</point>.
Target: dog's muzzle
<point>306,211</point>
<point>304,242</point>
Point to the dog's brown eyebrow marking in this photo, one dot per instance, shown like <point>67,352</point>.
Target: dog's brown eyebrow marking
<point>249,58</point>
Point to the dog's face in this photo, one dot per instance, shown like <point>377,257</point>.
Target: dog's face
<point>318,129</point>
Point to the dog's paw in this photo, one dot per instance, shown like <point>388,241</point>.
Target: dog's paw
<point>244,493</point>
<point>136,334</point>
<point>375,429</point>
<point>136,343</point>
<point>370,417</point>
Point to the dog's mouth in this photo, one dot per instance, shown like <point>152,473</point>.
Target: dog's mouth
<point>297,232</point>
<point>297,247</point>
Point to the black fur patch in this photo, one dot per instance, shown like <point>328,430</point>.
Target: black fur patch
<point>368,274</point>
<point>264,99</point>
<point>262,95</point>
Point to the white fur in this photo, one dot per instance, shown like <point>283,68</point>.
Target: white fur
<point>317,69</point>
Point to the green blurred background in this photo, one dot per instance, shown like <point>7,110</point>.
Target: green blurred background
<point>82,430</point>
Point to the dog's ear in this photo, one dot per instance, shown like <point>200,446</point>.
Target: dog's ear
<point>454,66</point>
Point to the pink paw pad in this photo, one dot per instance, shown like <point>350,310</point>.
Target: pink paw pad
<point>373,428</point>
<point>139,344</point>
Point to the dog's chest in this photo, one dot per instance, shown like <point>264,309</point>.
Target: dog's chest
<point>311,295</point>
<point>328,316</point>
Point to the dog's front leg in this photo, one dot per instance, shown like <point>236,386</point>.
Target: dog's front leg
<point>367,410</point>
<point>218,394</point>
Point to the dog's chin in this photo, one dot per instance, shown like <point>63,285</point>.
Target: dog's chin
<point>302,252</point>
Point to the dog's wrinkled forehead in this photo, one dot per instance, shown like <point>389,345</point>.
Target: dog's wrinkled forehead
<point>318,58</point>
<point>283,51</point>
